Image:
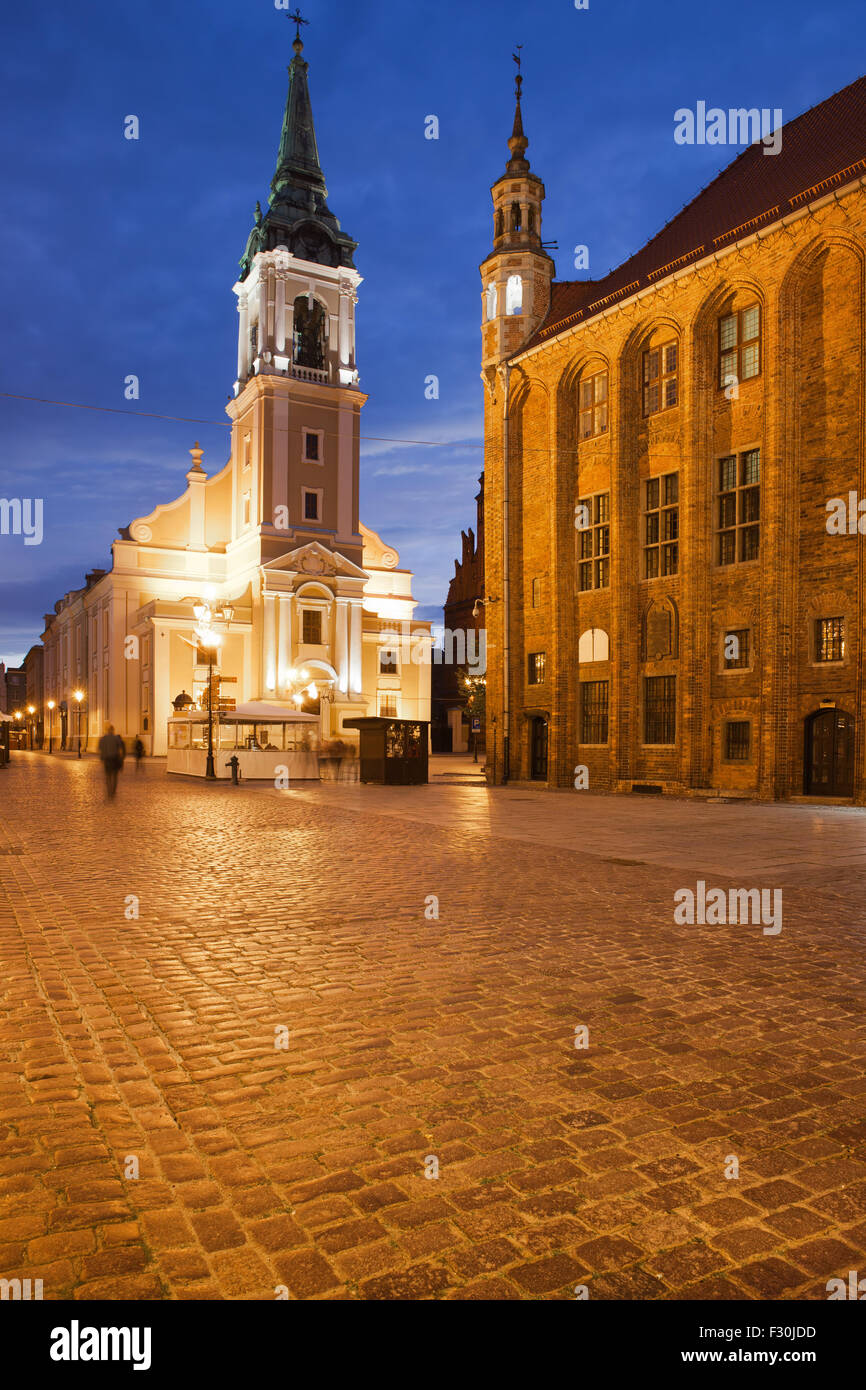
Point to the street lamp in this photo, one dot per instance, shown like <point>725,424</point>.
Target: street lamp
<point>78,696</point>
<point>31,710</point>
<point>51,726</point>
<point>210,640</point>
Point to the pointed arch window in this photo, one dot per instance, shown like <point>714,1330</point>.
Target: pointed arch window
<point>516,222</point>
<point>310,332</point>
<point>491,301</point>
<point>514,295</point>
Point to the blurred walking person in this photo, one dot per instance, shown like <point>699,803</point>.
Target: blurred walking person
<point>112,752</point>
<point>138,750</point>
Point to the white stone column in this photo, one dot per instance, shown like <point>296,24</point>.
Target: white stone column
<point>243,337</point>
<point>341,645</point>
<point>161,708</point>
<point>284,634</point>
<point>344,330</point>
<point>355,648</point>
<point>269,643</point>
<point>263,314</point>
<point>280,343</point>
<point>271,297</point>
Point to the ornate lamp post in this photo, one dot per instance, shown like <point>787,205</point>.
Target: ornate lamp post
<point>78,696</point>
<point>210,640</point>
<point>31,710</point>
<point>51,726</point>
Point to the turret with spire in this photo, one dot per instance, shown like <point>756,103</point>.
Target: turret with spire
<point>517,274</point>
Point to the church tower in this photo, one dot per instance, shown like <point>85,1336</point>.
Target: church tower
<point>297,403</point>
<point>516,275</point>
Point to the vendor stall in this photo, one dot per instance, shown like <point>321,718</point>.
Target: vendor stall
<point>393,751</point>
<point>264,739</point>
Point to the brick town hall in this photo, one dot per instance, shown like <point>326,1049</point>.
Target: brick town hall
<point>673,603</point>
<point>298,590</point>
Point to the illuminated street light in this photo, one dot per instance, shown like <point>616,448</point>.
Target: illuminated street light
<point>78,696</point>
<point>51,726</point>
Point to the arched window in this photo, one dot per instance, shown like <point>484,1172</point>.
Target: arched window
<point>491,301</point>
<point>593,645</point>
<point>514,295</point>
<point>516,222</point>
<point>311,332</point>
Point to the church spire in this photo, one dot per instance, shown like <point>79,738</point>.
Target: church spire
<point>298,156</point>
<point>298,216</point>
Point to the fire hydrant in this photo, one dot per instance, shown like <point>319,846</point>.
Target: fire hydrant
<point>235,764</point>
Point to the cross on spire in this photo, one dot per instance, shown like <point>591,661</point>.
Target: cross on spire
<point>297,19</point>
<point>518,81</point>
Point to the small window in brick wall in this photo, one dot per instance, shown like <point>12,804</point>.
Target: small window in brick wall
<point>737,740</point>
<point>536,665</point>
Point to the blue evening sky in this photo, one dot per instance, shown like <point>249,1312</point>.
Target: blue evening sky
<point>118,257</point>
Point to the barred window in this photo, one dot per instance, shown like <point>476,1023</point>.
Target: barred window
<point>594,711</point>
<point>737,649</point>
<point>593,405</point>
<point>594,542</point>
<point>740,345</point>
<point>661,525</point>
<point>830,639</point>
<point>737,740</point>
<point>312,627</point>
<point>660,378</point>
<point>387,662</point>
<point>660,709</point>
<point>739,507</point>
<point>535,665</point>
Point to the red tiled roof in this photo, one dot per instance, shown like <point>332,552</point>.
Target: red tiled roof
<point>821,150</point>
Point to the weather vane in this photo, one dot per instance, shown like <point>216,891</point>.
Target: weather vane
<point>519,78</point>
<point>297,19</point>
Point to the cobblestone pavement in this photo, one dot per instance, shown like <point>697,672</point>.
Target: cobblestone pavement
<point>153,1037</point>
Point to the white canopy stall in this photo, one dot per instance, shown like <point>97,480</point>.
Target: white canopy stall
<point>263,737</point>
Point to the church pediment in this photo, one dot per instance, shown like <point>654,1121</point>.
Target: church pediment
<point>315,560</point>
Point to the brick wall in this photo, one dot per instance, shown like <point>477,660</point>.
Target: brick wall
<point>804,412</point>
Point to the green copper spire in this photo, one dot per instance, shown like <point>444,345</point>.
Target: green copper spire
<point>298,215</point>
<point>298,157</point>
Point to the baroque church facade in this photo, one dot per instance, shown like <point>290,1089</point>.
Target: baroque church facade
<point>273,541</point>
<point>672,603</point>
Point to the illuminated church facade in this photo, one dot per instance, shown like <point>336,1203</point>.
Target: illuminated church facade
<point>273,541</point>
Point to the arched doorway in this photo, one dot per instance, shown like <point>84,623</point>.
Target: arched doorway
<point>538,748</point>
<point>829,754</point>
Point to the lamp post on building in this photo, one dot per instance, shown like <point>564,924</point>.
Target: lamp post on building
<point>78,696</point>
<point>31,710</point>
<point>51,726</point>
<point>17,717</point>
